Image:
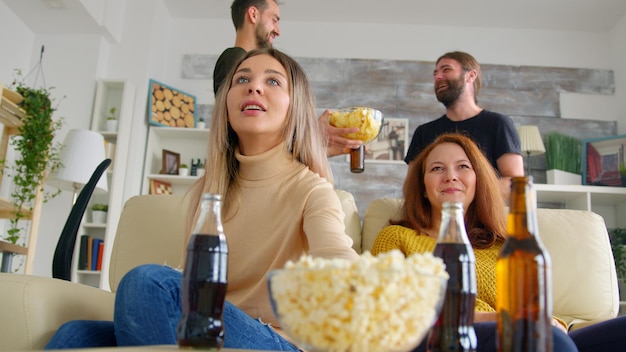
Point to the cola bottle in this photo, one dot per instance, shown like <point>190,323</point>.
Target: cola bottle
<point>454,329</point>
<point>204,280</point>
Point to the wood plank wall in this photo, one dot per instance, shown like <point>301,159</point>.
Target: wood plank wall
<point>404,89</point>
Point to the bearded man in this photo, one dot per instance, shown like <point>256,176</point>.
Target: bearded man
<point>457,81</point>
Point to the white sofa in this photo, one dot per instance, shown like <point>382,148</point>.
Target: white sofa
<point>585,283</point>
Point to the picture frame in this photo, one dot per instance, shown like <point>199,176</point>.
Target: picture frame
<point>604,162</point>
<point>391,144</point>
<point>171,107</point>
<point>171,162</point>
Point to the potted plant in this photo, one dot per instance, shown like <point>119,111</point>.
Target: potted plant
<point>183,170</point>
<point>201,124</point>
<point>563,159</point>
<point>111,120</point>
<point>622,174</point>
<point>36,154</point>
<point>99,213</point>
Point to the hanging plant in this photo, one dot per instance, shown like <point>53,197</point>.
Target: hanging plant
<point>37,153</point>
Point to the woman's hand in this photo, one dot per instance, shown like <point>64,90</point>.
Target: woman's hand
<point>337,144</point>
<point>480,317</point>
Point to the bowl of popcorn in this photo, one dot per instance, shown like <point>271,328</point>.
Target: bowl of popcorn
<point>383,303</point>
<point>368,121</point>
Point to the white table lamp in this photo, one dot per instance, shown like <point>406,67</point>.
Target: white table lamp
<point>531,142</point>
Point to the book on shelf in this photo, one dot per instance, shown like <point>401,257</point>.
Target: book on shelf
<point>90,253</point>
<point>82,254</point>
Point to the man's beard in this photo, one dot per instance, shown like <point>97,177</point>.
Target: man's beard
<point>450,95</point>
<point>262,38</point>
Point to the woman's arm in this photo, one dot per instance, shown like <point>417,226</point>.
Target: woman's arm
<point>323,226</point>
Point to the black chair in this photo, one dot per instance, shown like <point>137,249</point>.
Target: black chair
<point>62,260</point>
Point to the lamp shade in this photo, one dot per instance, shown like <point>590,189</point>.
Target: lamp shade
<point>531,141</point>
<point>82,152</point>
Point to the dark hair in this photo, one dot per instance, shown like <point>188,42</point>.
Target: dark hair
<point>239,7</point>
<point>485,219</point>
<point>468,63</point>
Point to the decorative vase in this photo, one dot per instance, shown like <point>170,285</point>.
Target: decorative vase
<point>111,125</point>
<point>99,216</point>
<point>183,171</point>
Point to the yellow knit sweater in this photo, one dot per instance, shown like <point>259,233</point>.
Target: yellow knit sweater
<point>409,242</point>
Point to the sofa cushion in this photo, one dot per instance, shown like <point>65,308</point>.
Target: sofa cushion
<point>583,271</point>
<point>150,230</point>
<point>351,220</point>
<point>376,217</point>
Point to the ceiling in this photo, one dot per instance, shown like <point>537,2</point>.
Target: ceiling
<point>576,15</point>
<point>571,15</point>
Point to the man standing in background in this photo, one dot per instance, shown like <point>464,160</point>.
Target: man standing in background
<point>457,81</point>
<point>256,26</point>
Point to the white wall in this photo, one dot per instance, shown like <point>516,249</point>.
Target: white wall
<point>150,45</point>
<point>618,55</point>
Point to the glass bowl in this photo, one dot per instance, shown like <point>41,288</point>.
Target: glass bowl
<point>350,308</point>
<point>368,121</point>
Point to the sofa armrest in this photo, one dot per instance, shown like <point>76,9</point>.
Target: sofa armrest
<point>34,307</point>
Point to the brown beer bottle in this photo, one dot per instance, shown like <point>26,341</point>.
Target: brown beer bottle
<point>454,329</point>
<point>523,282</point>
<point>204,280</point>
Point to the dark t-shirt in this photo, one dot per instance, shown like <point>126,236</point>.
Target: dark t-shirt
<point>494,133</point>
<point>224,64</point>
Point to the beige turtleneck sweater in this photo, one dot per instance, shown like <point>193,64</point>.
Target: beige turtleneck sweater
<point>283,211</point>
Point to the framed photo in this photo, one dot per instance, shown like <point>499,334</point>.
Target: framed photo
<point>171,107</point>
<point>392,142</point>
<point>604,162</point>
<point>171,162</point>
<point>160,187</point>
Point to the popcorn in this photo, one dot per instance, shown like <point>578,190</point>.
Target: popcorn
<point>384,303</point>
<point>366,119</point>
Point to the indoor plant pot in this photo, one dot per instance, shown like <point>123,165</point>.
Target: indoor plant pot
<point>183,170</point>
<point>563,159</point>
<point>99,213</point>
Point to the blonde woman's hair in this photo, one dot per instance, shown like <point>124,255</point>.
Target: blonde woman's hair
<point>304,137</point>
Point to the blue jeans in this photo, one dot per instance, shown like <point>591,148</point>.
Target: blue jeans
<point>147,311</point>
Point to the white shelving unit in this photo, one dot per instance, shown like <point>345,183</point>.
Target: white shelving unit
<point>190,143</point>
<point>609,202</point>
<point>121,95</point>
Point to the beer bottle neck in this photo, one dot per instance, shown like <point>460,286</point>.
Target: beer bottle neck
<point>522,222</point>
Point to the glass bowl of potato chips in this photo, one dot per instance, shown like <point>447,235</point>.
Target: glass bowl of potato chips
<point>382,303</point>
<point>369,122</point>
